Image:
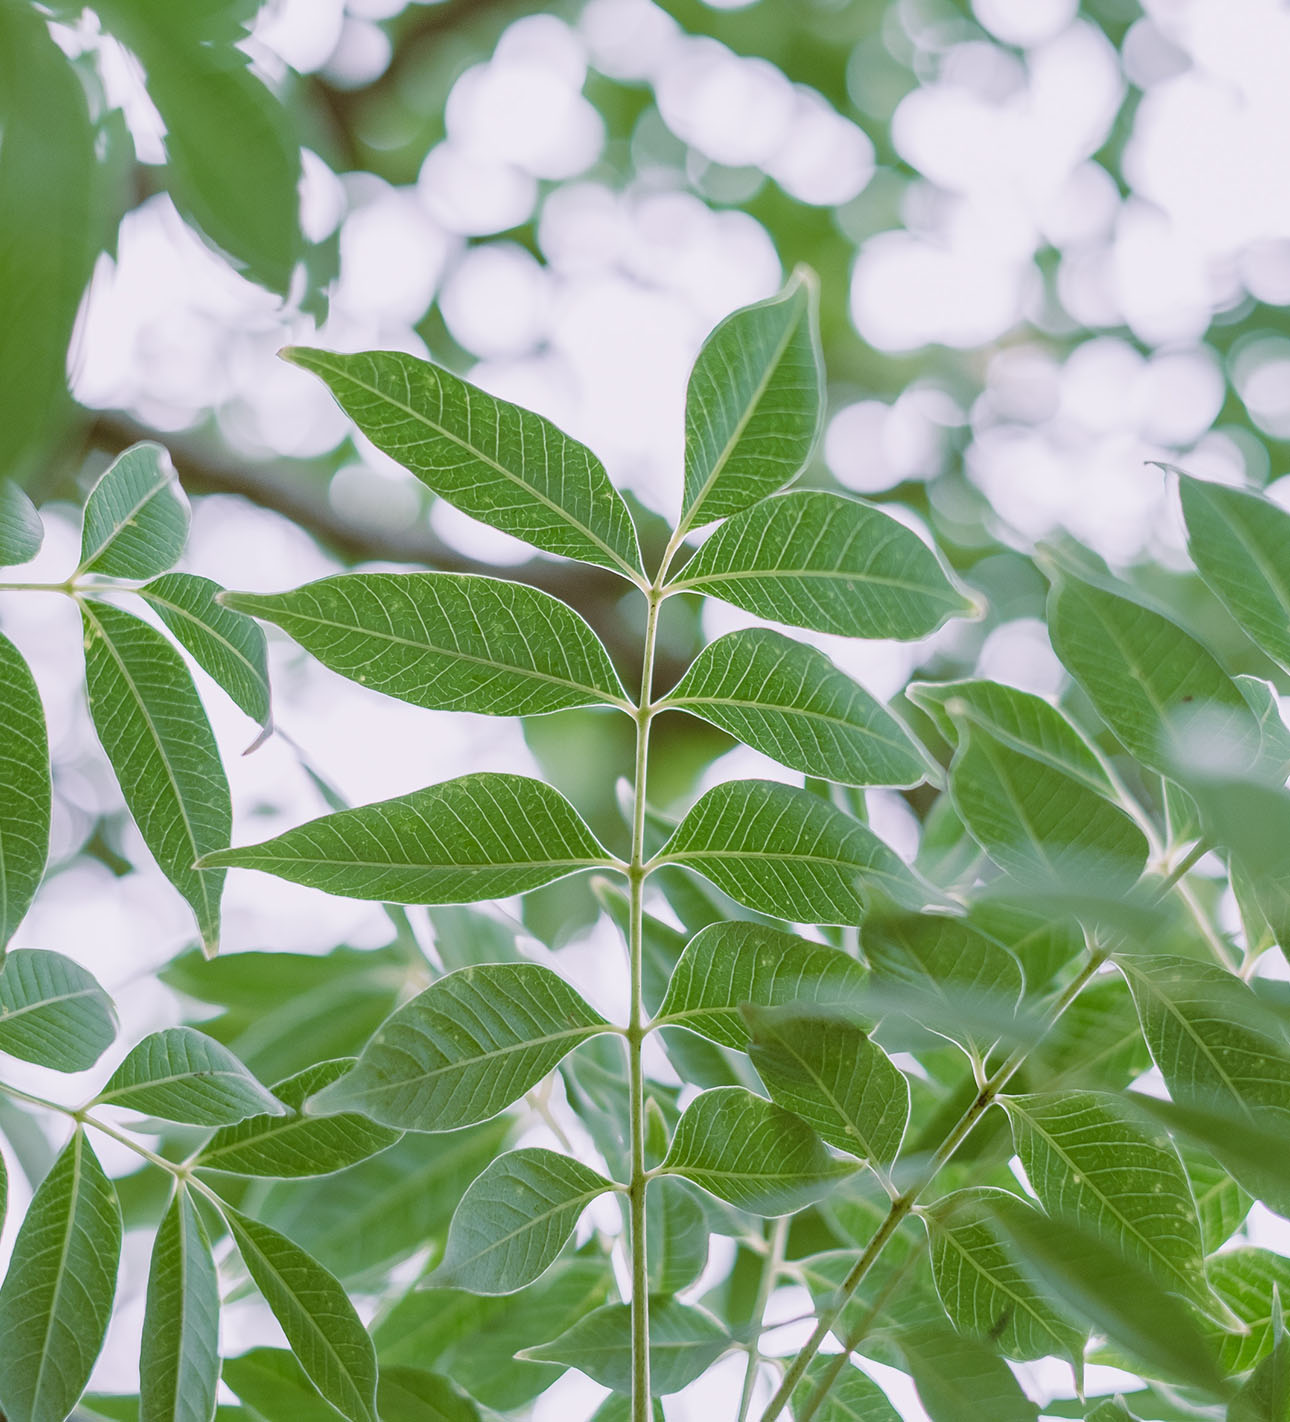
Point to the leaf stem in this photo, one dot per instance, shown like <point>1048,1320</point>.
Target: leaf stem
<point>771,1267</point>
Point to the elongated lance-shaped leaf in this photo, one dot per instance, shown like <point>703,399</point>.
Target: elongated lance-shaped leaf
<point>1240,542</point>
<point>676,1235</point>
<point>791,703</point>
<point>52,1011</point>
<point>957,1377</point>
<point>136,519</point>
<point>464,1049</point>
<point>290,1145</point>
<point>25,790</point>
<point>1116,1295</point>
<point>514,1220</point>
<point>181,1074</point>
<point>447,641</point>
<point>684,1342</point>
<point>414,1395</point>
<point>1148,679</point>
<point>827,1071</point>
<point>228,646</point>
<point>1037,822</point>
<point>325,1333</point>
<point>832,564</point>
<point>21,531</point>
<point>57,1296</point>
<point>853,1397</point>
<point>1020,719</point>
<point>480,837</point>
<point>1090,1160</point>
<point>751,1153</point>
<point>728,964</point>
<point>179,1355</point>
<point>786,852</point>
<point>1219,1050</point>
<point>754,404</point>
<point>151,723</point>
<point>985,1293</point>
<point>961,983</point>
<point>502,464</point>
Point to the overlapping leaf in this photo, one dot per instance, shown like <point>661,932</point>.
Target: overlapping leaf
<point>414,1395</point>
<point>502,464</point>
<point>179,1356</point>
<point>854,1397</point>
<point>957,1377</point>
<point>52,1011</point>
<point>676,1235</point>
<point>446,641</point>
<point>25,790</point>
<point>136,520</point>
<point>829,563</point>
<point>480,837</point>
<point>21,531</point>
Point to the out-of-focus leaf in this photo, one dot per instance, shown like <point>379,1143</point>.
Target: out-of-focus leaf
<point>181,1074</point>
<point>957,1377</point>
<point>179,1356</point>
<point>52,1011</point>
<point>273,1384</point>
<point>414,1395</point>
<point>25,790</point>
<point>676,1235</point>
<point>21,530</point>
<point>853,1397</point>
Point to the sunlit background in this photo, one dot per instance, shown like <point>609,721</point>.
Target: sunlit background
<point>1054,243</point>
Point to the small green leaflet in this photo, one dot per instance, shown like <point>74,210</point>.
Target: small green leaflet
<point>447,641</point>
<point>179,1356</point>
<point>57,1296</point>
<point>1147,677</point>
<point>502,464</point>
<point>483,836</point>
<point>25,790</point>
<point>180,1074</point>
<point>136,519</point>
<point>21,531</point>
<point>684,1342</point>
<point>754,404</point>
<point>827,1071</point>
<point>290,1146</point>
<point>1246,1279</point>
<point>1037,822</point>
<point>151,723</point>
<point>829,563</point>
<point>1089,1159</point>
<point>414,1395</point>
<point>1240,542</point>
<point>325,1333</point>
<point>229,647</point>
<point>791,703</point>
<point>786,852</point>
<point>854,1397</point>
<point>1221,1204</point>
<point>728,964</point>
<point>984,1292</point>
<point>514,1219</point>
<point>676,1235</point>
<point>958,1378</point>
<point>52,1011</point>
<point>751,1153</point>
<point>467,1047</point>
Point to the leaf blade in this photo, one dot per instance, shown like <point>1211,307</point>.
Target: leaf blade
<point>21,529</point>
<point>52,1011</point>
<point>136,523</point>
<point>27,797</point>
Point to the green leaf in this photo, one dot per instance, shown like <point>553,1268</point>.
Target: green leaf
<point>1265,1397</point>
<point>728,964</point>
<point>1089,1159</point>
<point>754,404</point>
<point>151,723</point>
<point>482,836</point>
<point>500,463</point>
<point>676,1235</point>
<point>791,703</point>
<point>1037,822</point>
<point>52,1012</point>
<point>136,520</point>
<point>181,1074</point>
<point>1221,1204</point>
<point>179,1357</point>
<point>414,1395</point>
<point>1218,1052</point>
<point>21,531</point>
<point>316,1315</point>
<point>289,1145</point>
<point>57,1296</point>
<point>1145,675</point>
<point>1240,542</point>
<point>464,1049</point>
<point>1115,1294</point>
<point>25,790</point>
<point>684,1342</point>
<point>957,1377</point>
<point>854,1397</point>
<point>1246,1279</point>
<point>447,641</point>
<point>984,1292</point>
<point>274,1387</point>
<point>826,1070</point>
<point>229,647</point>
<point>751,1153</point>
<point>786,852</point>
<point>832,564</point>
<point>514,1220</point>
<point>1110,1411</point>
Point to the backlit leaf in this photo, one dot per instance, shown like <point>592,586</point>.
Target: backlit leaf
<point>957,1377</point>
<point>21,531</point>
<point>52,1011</point>
<point>136,519</point>
<point>179,1358</point>
<point>414,1395</point>
<point>25,790</point>
<point>676,1235</point>
<point>853,1397</point>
